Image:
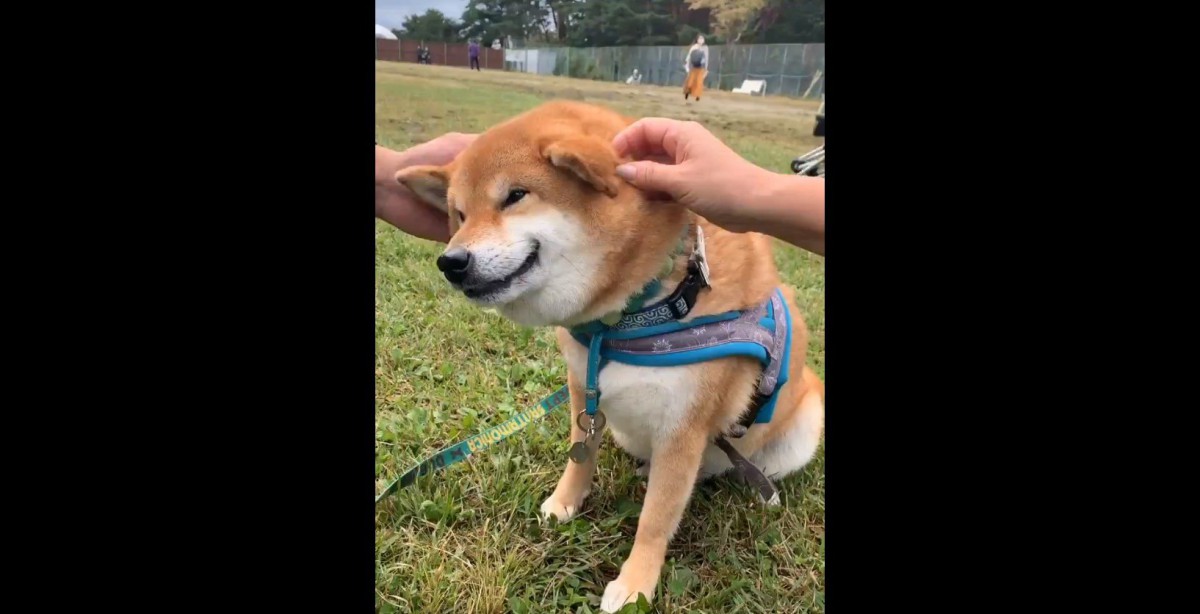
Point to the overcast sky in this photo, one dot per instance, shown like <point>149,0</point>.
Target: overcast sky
<point>391,13</point>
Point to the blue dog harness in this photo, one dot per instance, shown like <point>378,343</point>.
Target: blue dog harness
<point>654,336</point>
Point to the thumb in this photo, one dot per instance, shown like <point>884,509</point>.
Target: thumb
<point>648,175</point>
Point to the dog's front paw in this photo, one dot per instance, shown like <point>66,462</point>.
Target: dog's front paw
<point>622,591</point>
<point>560,509</point>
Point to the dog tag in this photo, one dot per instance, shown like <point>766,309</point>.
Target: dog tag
<point>579,452</point>
<point>589,425</point>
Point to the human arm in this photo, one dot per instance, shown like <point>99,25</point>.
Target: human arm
<point>395,204</point>
<point>692,166</point>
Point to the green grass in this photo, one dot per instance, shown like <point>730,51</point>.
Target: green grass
<point>467,539</point>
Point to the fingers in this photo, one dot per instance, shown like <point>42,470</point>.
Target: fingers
<point>660,158</point>
<point>652,176</point>
<point>441,150</point>
<point>651,137</point>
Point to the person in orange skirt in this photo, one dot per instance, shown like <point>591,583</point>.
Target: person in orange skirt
<point>696,66</point>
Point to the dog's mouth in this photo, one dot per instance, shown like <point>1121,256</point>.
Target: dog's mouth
<point>483,289</point>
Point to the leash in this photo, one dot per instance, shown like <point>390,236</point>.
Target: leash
<point>478,443</point>
<point>462,450</point>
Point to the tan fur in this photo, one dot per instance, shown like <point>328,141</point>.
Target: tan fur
<point>562,153</point>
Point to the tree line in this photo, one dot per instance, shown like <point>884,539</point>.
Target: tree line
<point>607,23</point>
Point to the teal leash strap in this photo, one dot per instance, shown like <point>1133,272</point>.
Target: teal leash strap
<point>478,443</point>
<point>591,391</point>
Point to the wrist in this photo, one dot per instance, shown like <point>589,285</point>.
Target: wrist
<point>794,208</point>
<point>759,203</point>
<point>388,162</point>
<point>388,191</point>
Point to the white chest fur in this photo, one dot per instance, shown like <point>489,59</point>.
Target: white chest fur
<point>642,404</point>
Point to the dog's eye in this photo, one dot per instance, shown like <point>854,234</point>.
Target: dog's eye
<point>462,217</point>
<point>514,196</point>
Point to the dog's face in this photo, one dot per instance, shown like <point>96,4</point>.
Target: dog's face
<point>539,218</point>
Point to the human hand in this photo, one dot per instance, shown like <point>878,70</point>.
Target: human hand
<point>398,206</point>
<point>694,168</point>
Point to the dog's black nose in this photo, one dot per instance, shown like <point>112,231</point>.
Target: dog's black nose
<point>454,263</point>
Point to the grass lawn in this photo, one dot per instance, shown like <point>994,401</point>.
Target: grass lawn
<point>467,539</point>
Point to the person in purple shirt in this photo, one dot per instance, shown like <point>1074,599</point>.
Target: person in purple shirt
<point>473,51</point>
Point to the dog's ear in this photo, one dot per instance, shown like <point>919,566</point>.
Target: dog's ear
<point>429,183</point>
<point>590,158</point>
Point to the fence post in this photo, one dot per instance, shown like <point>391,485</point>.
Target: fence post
<point>399,51</point>
<point>812,84</point>
<point>660,67</point>
<point>783,64</point>
<point>721,63</point>
<point>746,70</point>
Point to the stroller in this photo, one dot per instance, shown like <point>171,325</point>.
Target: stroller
<point>813,162</point>
<point>423,55</point>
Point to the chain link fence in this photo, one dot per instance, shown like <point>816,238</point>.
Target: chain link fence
<point>795,70</point>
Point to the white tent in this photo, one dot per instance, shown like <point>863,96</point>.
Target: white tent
<point>382,32</point>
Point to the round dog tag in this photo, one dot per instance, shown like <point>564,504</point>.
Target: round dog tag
<point>579,452</point>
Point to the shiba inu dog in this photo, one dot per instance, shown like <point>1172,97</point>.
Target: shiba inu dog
<point>546,233</point>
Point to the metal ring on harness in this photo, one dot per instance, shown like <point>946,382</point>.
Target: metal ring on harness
<point>596,421</point>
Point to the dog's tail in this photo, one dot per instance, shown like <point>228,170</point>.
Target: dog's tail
<point>812,404</point>
<point>813,384</point>
<point>797,440</point>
